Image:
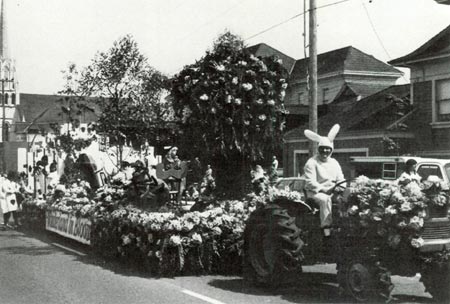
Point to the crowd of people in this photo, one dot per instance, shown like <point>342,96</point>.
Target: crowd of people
<point>13,190</point>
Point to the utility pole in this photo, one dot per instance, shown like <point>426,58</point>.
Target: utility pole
<point>312,71</point>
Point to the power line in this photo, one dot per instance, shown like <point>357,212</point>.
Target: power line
<point>374,30</point>
<point>293,17</point>
<point>380,41</point>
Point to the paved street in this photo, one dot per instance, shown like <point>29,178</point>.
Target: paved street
<point>37,268</point>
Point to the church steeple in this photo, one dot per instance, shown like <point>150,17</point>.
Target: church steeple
<point>4,47</point>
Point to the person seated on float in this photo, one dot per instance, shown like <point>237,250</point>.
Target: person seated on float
<point>322,172</point>
<point>171,160</point>
<point>258,179</point>
<point>410,173</point>
<point>150,191</point>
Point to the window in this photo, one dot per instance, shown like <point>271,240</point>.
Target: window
<point>13,98</point>
<point>325,93</point>
<point>426,170</point>
<point>389,171</point>
<point>300,98</point>
<point>443,99</point>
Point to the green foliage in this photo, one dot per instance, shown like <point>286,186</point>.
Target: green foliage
<point>72,172</point>
<point>130,93</point>
<point>230,104</point>
<point>236,97</point>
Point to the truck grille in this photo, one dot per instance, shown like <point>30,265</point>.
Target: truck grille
<point>436,232</point>
<point>437,212</point>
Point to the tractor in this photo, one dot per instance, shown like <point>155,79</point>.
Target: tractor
<point>284,235</point>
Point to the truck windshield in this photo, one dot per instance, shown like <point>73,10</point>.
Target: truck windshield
<point>447,170</point>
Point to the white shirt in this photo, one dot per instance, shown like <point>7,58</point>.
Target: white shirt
<point>320,175</point>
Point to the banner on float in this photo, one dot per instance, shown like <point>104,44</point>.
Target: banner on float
<point>69,226</point>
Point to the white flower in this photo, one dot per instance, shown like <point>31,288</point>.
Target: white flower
<point>280,61</point>
<point>284,86</point>
<point>238,101</point>
<point>204,97</point>
<point>271,102</point>
<point>417,243</point>
<point>234,80</point>
<point>175,240</point>
<point>194,81</point>
<point>262,117</point>
<point>390,210</point>
<point>405,207</point>
<point>416,220</point>
<point>213,110</point>
<point>259,101</point>
<point>242,62</point>
<point>197,238</point>
<point>353,210</point>
<point>253,57</point>
<point>228,99</point>
<point>247,86</point>
<point>220,67</point>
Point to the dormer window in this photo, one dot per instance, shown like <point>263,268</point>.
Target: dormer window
<point>325,97</point>
<point>443,100</point>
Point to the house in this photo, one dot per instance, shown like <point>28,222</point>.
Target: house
<point>409,119</point>
<point>343,74</point>
<point>264,50</point>
<point>375,125</point>
<point>430,94</point>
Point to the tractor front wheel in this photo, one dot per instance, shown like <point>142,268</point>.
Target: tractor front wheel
<point>364,282</point>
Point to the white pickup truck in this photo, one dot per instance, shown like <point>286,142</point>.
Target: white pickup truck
<point>390,167</point>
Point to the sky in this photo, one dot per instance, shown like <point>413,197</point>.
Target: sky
<point>46,35</point>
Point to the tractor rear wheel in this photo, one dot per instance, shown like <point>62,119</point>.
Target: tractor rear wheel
<point>272,247</point>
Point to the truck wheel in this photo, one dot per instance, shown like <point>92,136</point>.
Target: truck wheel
<point>364,283</point>
<point>272,247</point>
<point>436,279</point>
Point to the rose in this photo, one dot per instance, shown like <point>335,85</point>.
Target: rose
<point>417,242</point>
<point>197,238</point>
<point>353,210</point>
<point>247,86</point>
<point>405,207</point>
<point>175,240</point>
<point>390,210</point>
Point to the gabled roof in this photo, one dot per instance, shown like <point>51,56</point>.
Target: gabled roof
<point>344,59</point>
<point>264,50</point>
<point>357,115</point>
<point>33,105</point>
<point>356,89</point>
<point>437,46</point>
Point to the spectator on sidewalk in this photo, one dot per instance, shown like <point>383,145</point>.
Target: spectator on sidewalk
<point>9,203</point>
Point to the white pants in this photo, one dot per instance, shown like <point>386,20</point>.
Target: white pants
<point>324,202</point>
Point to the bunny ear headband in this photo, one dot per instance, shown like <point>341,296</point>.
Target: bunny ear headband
<point>322,140</point>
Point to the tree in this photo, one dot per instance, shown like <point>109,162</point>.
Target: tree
<point>130,92</point>
<point>230,104</point>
